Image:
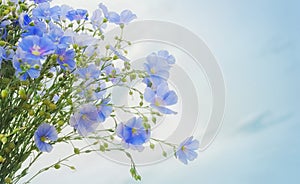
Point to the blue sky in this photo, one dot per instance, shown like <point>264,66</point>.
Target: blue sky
<point>257,44</point>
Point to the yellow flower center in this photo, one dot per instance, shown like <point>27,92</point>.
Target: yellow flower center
<point>84,117</point>
<point>36,50</point>
<point>61,58</point>
<point>43,139</point>
<point>183,148</point>
<point>133,131</point>
<point>157,102</point>
<point>152,70</point>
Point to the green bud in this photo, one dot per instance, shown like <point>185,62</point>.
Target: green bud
<point>46,102</point>
<point>60,122</point>
<point>2,159</point>
<point>124,79</point>
<point>42,113</point>
<point>8,180</point>
<point>31,112</point>
<point>164,154</point>
<point>72,167</point>
<point>105,145</point>
<point>5,12</point>
<point>56,166</point>
<point>4,93</point>
<point>152,146</point>
<point>22,94</point>
<point>76,151</point>
<point>138,178</point>
<point>52,106</point>
<point>141,104</point>
<point>105,20</point>
<point>11,145</point>
<point>7,150</point>
<point>130,93</point>
<point>23,6</point>
<point>48,115</point>
<point>4,140</point>
<point>115,57</point>
<point>2,43</point>
<point>154,119</point>
<point>102,148</point>
<point>36,66</point>
<point>50,75</point>
<point>145,119</point>
<point>133,76</point>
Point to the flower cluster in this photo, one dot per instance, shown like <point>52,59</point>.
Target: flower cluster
<point>56,83</point>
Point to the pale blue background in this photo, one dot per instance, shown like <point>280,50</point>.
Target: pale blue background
<point>257,44</point>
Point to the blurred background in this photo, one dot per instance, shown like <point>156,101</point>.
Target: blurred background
<point>257,45</point>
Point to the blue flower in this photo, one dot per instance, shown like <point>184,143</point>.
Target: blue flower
<point>43,135</point>
<point>27,67</point>
<point>37,47</point>
<point>86,120</point>
<point>157,66</point>
<point>43,11</point>
<point>89,72</point>
<point>104,110</point>
<point>186,150</point>
<point>66,59</point>
<point>125,17</point>
<point>165,55</point>
<point>160,98</point>
<point>97,20</point>
<point>77,15</point>
<point>133,133</point>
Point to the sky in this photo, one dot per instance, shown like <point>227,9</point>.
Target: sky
<point>257,45</point>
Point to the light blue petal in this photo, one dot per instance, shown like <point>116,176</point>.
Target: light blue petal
<point>149,95</point>
<point>163,110</point>
<point>170,98</point>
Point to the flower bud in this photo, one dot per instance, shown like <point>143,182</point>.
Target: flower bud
<point>60,122</point>
<point>164,154</point>
<point>4,93</point>
<point>2,43</point>
<point>56,166</point>
<point>76,151</point>
<point>46,102</point>
<point>102,148</point>
<point>8,180</point>
<point>152,146</point>
<point>2,159</point>
<point>52,106</point>
<point>4,139</point>
<point>22,94</point>
<point>31,112</point>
